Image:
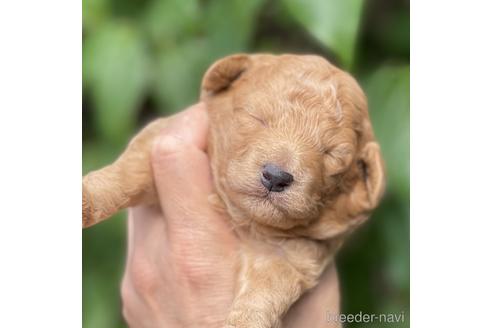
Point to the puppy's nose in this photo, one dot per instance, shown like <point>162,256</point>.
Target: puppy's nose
<point>274,178</point>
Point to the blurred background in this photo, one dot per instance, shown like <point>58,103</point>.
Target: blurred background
<point>145,58</point>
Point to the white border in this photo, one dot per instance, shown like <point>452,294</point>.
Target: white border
<point>40,165</point>
<point>451,165</point>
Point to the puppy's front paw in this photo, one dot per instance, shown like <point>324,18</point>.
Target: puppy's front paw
<point>249,318</point>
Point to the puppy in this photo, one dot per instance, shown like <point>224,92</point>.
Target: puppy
<point>295,165</point>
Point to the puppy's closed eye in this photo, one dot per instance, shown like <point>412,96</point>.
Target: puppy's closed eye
<point>251,115</point>
<point>338,158</point>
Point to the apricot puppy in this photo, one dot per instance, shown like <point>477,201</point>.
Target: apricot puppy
<point>295,166</point>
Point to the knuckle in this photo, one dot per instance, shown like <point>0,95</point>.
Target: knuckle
<point>127,299</point>
<point>193,270</point>
<point>144,278</point>
<point>126,292</point>
<point>125,313</point>
<point>164,147</point>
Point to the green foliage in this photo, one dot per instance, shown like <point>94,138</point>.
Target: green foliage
<point>177,74</point>
<point>231,21</point>
<point>334,23</point>
<point>389,100</point>
<point>94,13</point>
<point>146,58</point>
<point>115,70</point>
<point>166,21</point>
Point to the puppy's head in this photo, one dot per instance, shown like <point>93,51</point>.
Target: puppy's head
<point>290,140</point>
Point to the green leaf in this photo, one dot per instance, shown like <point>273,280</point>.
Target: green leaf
<point>178,75</point>
<point>103,256</point>
<point>115,65</point>
<point>334,23</point>
<point>94,13</point>
<point>167,20</point>
<point>230,25</point>
<point>96,154</point>
<point>388,92</point>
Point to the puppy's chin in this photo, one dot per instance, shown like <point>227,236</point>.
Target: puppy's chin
<point>272,209</point>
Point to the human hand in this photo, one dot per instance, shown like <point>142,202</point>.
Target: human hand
<point>181,262</point>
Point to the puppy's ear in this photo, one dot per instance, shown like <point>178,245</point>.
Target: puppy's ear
<point>223,73</point>
<point>359,202</point>
<point>370,188</point>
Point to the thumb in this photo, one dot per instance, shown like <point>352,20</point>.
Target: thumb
<point>181,168</point>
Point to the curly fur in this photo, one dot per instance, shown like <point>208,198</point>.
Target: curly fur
<point>300,113</point>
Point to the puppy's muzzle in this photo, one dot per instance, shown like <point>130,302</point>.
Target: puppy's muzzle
<point>275,179</point>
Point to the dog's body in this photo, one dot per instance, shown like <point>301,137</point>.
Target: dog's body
<point>295,166</point>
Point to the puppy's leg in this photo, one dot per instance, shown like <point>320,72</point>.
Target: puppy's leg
<point>127,182</point>
<point>268,287</point>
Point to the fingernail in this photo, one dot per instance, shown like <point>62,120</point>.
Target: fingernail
<point>167,144</point>
<point>181,127</point>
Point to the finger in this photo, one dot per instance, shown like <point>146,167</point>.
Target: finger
<point>313,308</point>
<point>146,240</point>
<point>145,227</point>
<point>190,125</point>
<point>181,169</point>
<point>327,296</point>
<point>145,219</point>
